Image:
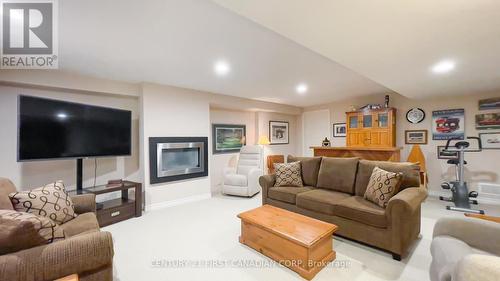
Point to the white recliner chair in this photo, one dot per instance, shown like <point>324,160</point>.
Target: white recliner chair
<point>243,180</point>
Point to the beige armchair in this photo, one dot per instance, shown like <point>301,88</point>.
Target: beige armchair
<point>86,250</point>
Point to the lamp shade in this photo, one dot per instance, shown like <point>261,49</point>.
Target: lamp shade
<point>264,140</point>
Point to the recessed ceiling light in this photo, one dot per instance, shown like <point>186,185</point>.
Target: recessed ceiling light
<point>443,66</point>
<point>222,68</point>
<point>301,88</point>
<point>62,115</point>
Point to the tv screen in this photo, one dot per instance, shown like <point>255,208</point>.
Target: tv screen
<point>49,129</point>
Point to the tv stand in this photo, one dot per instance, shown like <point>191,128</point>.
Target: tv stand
<point>79,175</point>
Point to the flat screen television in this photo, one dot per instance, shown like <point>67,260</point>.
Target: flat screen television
<point>54,129</point>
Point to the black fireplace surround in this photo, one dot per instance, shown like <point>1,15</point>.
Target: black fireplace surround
<point>177,158</point>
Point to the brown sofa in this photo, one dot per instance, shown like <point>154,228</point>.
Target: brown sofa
<point>333,192</point>
<point>85,250</point>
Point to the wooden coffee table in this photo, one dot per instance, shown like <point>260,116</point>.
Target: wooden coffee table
<point>298,242</point>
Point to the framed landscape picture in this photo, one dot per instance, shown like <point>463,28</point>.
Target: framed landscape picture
<point>493,103</point>
<point>490,140</point>
<point>448,124</point>
<point>279,132</point>
<point>228,138</point>
<point>488,121</point>
<point>339,130</point>
<point>446,155</point>
<point>416,136</point>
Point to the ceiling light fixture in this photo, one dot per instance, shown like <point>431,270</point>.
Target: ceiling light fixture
<point>301,88</point>
<point>443,66</point>
<point>222,68</point>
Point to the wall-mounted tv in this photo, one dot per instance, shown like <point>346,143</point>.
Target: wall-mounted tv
<point>54,129</point>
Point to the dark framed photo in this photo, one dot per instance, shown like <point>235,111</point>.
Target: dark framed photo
<point>228,138</point>
<point>279,132</point>
<point>490,140</point>
<point>448,124</point>
<point>339,130</point>
<point>486,104</point>
<point>488,121</point>
<point>416,136</point>
<point>446,155</point>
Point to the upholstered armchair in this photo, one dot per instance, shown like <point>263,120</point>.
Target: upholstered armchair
<point>243,180</point>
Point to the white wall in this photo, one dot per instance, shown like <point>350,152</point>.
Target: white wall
<point>27,175</point>
<point>316,126</point>
<point>482,167</point>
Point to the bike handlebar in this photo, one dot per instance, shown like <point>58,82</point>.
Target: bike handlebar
<point>479,143</point>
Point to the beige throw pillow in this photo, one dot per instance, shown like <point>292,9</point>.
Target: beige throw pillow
<point>288,174</point>
<point>51,201</point>
<point>47,230</point>
<point>382,186</point>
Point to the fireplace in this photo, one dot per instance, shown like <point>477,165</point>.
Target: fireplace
<point>177,158</point>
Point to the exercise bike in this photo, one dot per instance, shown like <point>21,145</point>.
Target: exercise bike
<point>461,196</point>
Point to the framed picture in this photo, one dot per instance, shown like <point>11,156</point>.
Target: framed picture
<point>493,103</point>
<point>339,130</point>
<point>448,124</point>
<point>446,155</point>
<point>490,140</point>
<point>228,138</point>
<point>416,136</point>
<point>279,132</point>
<point>488,121</point>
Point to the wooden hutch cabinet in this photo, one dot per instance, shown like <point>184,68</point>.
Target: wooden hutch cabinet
<point>371,128</point>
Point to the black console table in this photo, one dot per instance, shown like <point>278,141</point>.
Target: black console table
<point>116,210</point>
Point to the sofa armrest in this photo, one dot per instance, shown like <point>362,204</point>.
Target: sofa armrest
<point>78,254</point>
<point>84,203</point>
<point>477,268</point>
<point>407,201</point>
<point>480,234</point>
<point>266,182</point>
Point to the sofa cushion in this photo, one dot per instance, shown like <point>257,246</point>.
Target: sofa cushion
<point>235,179</point>
<point>287,193</point>
<point>6,187</point>
<point>382,186</point>
<point>51,201</point>
<point>45,227</point>
<point>18,235</point>
<point>320,200</point>
<point>310,168</point>
<point>288,174</point>
<point>358,209</point>
<point>410,171</point>
<point>83,223</point>
<point>338,174</point>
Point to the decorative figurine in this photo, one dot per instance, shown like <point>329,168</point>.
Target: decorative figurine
<point>326,142</point>
<point>387,98</point>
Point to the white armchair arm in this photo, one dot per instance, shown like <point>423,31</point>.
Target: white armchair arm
<point>253,180</point>
<point>477,268</point>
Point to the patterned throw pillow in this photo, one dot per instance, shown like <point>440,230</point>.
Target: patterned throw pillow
<point>47,229</point>
<point>288,174</point>
<point>51,201</point>
<point>382,186</point>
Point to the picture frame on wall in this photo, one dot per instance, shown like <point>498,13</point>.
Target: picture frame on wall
<point>488,121</point>
<point>279,132</point>
<point>441,154</point>
<point>491,103</point>
<point>416,137</point>
<point>448,124</point>
<point>490,140</point>
<point>339,130</point>
<point>228,138</point>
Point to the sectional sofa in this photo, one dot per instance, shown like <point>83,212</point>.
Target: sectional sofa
<point>333,192</point>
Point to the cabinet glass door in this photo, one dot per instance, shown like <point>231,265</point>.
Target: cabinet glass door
<point>353,122</point>
<point>383,120</point>
<point>367,121</point>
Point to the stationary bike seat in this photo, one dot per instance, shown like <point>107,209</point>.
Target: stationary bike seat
<point>455,162</point>
<point>462,144</point>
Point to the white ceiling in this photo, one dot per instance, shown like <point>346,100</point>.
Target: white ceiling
<point>176,42</point>
<point>394,42</point>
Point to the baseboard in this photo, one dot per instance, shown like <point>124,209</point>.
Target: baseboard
<point>177,202</point>
<point>480,200</point>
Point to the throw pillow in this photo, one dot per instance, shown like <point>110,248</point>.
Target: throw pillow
<point>46,230</point>
<point>382,186</point>
<point>51,201</point>
<point>288,174</point>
